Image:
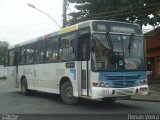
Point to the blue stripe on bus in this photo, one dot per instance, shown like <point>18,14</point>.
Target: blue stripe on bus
<point>73,71</point>
<point>123,79</point>
<point>54,34</point>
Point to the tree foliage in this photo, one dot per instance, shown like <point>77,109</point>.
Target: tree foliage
<point>137,11</point>
<point>3,51</point>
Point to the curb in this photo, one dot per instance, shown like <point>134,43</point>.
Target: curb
<point>147,100</point>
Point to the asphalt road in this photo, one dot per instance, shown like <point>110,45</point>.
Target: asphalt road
<point>43,105</point>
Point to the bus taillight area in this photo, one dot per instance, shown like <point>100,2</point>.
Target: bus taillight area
<point>101,92</point>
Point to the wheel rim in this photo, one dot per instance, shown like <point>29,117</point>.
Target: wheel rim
<point>69,92</point>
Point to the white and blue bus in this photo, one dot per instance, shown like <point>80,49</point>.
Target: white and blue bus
<point>95,59</point>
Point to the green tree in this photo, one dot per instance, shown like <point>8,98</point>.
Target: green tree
<point>137,11</point>
<point>3,51</point>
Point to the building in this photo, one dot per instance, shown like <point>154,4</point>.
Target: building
<point>153,51</point>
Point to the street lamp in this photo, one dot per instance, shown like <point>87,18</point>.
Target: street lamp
<point>32,6</point>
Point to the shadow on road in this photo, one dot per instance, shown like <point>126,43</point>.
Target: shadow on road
<point>83,103</point>
<point>12,101</point>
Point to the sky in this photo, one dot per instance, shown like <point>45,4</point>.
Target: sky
<point>19,22</point>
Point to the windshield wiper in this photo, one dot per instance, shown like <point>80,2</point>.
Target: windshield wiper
<point>130,43</point>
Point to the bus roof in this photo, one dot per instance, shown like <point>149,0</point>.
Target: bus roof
<point>68,29</point>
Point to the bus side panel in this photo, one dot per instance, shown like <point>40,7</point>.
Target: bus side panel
<point>11,74</point>
<point>94,78</point>
<point>78,75</point>
<point>28,72</point>
<point>69,72</point>
<point>46,78</point>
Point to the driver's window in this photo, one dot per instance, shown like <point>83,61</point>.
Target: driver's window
<point>100,56</point>
<point>117,43</point>
<point>101,46</point>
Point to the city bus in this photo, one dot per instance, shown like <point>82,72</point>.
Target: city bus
<point>95,59</point>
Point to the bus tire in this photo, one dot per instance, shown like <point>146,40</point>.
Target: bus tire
<point>66,92</point>
<point>24,87</point>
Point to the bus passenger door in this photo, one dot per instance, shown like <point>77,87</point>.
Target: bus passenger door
<point>16,62</point>
<point>83,43</point>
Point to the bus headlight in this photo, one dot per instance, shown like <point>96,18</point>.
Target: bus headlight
<point>107,84</point>
<point>140,82</point>
<point>143,82</point>
<point>102,84</point>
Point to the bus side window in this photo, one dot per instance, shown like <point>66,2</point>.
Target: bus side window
<point>22,55</point>
<point>42,51</point>
<point>54,49</point>
<point>49,54</point>
<point>39,52</point>
<point>36,59</point>
<point>67,45</point>
<point>30,53</point>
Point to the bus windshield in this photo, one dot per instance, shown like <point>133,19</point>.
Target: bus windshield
<point>118,52</point>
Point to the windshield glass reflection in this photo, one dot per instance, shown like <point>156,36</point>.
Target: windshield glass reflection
<point>118,52</point>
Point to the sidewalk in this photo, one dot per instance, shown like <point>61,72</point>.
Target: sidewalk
<point>153,95</point>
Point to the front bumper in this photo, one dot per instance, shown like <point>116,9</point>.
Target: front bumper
<point>100,92</point>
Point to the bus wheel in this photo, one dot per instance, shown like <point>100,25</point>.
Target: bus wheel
<point>66,92</point>
<point>24,87</point>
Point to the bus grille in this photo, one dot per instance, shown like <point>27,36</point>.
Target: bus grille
<point>123,81</point>
<point>135,77</point>
<point>125,92</point>
<point>122,84</point>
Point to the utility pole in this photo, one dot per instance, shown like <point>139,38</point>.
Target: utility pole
<point>64,13</point>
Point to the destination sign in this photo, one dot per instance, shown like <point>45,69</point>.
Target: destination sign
<point>122,29</point>
<point>100,26</point>
<point>114,27</point>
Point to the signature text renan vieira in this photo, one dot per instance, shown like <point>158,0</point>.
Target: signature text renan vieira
<point>143,117</point>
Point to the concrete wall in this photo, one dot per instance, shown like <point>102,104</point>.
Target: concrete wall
<point>3,72</point>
